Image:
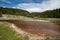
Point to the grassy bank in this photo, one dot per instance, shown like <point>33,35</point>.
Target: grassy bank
<point>56,22</point>
<point>6,33</point>
<point>53,20</point>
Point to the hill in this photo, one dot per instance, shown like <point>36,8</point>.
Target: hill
<point>12,11</point>
<point>46,14</point>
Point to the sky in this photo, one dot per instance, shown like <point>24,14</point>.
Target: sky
<point>31,5</point>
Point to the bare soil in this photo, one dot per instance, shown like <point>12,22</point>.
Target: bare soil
<point>38,27</point>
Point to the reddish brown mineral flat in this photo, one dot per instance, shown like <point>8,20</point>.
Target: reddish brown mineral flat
<point>38,27</point>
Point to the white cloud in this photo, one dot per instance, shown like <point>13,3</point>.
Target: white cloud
<point>6,1</point>
<point>40,7</point>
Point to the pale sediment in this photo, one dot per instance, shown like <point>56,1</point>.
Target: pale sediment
<point>23,33</point>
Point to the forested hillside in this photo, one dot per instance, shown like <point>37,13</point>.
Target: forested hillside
<point>12,11</point>
<point>46,14</point>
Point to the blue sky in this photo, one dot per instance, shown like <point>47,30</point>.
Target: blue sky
<point>11,3</point>
<point>31,5</point>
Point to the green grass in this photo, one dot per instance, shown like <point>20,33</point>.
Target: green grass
<point>55,20</point>
<point>49,18</point>
<point>6,33</point>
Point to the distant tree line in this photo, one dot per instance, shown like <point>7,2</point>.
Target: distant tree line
<point>46,14</point>
<point>12,11</point>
